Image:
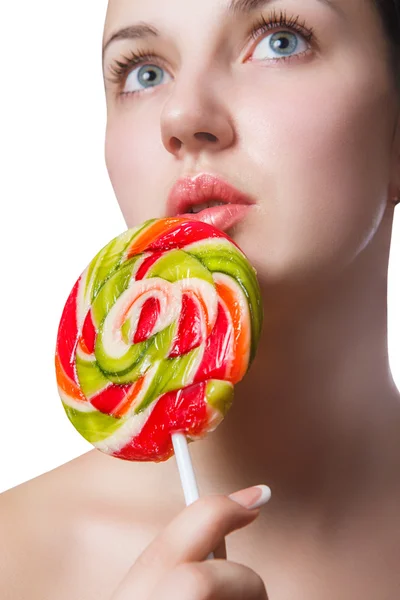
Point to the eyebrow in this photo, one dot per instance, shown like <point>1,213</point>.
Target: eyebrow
<point>235,7</point>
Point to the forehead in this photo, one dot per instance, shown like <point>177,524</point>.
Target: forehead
<point>119,9</point>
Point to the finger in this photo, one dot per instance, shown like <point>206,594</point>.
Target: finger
<point>191,536</point>
<point>220,550</point>
<point>210,580</point>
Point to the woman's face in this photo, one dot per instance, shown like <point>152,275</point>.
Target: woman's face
<point>304,126</point>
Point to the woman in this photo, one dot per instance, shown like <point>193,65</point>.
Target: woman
<point>297,106</point>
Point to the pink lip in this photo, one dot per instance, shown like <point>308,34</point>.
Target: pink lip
<point>224,217</point>
<point>189,192</point>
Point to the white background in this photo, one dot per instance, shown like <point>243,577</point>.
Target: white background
<point>57,210</point>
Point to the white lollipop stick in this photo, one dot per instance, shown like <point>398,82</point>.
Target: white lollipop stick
<point>186,472</point>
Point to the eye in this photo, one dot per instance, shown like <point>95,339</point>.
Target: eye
<point>144,77</point>
<point>287,35</point>
<point>280,44</point>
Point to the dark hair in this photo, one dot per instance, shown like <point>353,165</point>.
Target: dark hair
<point>389,11</point>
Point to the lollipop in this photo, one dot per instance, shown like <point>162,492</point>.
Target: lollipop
<point>155,333</point>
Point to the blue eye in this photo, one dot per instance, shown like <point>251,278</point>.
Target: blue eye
<point>289,35</point>
<point>144,77</point>
<point>138,72</point>
<point>280,44</point>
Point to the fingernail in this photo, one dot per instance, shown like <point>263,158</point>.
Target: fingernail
<point>252,497</point>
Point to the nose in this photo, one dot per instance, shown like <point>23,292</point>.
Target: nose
<point>196,117</point>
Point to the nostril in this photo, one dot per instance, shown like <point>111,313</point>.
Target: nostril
<point>175,144</point>
<point>209,136</point>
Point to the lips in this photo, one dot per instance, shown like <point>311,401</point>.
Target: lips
<point>189,193</point>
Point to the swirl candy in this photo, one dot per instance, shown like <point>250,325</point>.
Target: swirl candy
<point>155,332</point>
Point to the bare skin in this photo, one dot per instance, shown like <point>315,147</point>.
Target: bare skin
<point>317,142</point>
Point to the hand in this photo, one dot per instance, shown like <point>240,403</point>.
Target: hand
<point>173,566</point>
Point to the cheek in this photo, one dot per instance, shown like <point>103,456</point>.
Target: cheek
<point>323,153</point>
<point>132,166</point>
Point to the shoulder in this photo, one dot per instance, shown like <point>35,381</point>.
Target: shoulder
<point>63,535</point>
<point>33,540</point>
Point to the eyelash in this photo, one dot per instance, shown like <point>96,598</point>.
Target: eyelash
<point>121,68</point>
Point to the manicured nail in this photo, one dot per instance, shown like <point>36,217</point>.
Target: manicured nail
<point>252,497</point>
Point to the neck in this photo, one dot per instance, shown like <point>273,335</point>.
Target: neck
<point>318,410</point>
